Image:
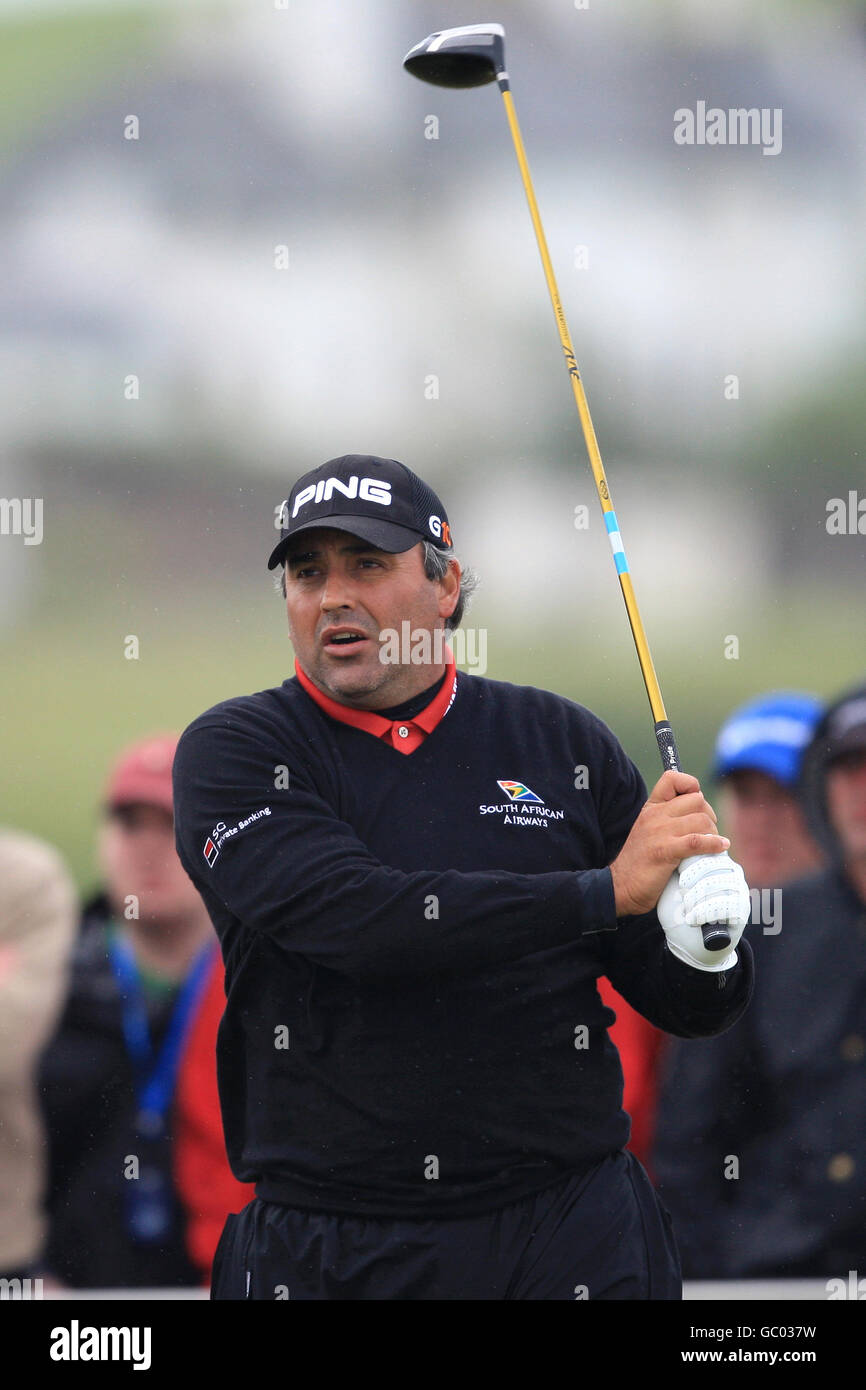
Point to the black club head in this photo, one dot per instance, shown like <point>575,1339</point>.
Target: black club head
<point>467,57</point>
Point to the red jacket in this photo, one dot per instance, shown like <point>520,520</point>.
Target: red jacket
<point>639,1046</point>
<point>204,1181</point>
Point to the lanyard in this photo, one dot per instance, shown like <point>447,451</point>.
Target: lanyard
<point>155,1077</point>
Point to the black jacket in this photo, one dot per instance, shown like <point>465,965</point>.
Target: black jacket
<point>779,1101</point>
<point>88,1100</point>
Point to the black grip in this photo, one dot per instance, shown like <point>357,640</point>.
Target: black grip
<point>715,934</point>
<point>667,746</point>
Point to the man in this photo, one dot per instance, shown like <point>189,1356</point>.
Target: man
<point>762,1157</point>
<point>37,928</point>
<point>757,763</point>
<point>413,1063</point>
<point>143,963</point>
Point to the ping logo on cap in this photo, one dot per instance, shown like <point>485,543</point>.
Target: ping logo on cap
<point>365,489</point>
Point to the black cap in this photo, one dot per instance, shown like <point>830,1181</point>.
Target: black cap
<point>380,500</point>
<point>845,730</point>
<point>841,730</point>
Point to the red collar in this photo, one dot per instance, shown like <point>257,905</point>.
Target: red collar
<point>388,729</point>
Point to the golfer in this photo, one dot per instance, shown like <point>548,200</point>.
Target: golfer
<point>417,878</point>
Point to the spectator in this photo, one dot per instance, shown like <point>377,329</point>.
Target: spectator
<point>639,1045</point>
<point>37,928</point>
<point>762,1154</point>
<point>145,956</point>
<point>203,1178</point>
<point>757,758</point>
<point>757,761</point>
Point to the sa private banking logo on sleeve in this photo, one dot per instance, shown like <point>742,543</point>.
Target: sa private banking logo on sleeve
<point>222,832</point>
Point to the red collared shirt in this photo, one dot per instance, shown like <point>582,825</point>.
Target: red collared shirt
<point>403,734</point>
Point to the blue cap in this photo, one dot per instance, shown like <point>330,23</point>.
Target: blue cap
<point>769,734</point>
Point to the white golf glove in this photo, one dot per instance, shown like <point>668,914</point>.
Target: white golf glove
<point>705,888</point>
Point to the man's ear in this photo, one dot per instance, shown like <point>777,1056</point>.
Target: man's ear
<point>449,589</point>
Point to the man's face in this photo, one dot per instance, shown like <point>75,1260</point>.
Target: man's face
<point>337,581</point>
<point>138,858</point>
<point>846,802</point>
<point>765,825</point>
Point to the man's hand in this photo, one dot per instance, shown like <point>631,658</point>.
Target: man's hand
<point>675,823</point>
<point>707,888</point>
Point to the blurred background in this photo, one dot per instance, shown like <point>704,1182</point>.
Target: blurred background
<point>166,371</point>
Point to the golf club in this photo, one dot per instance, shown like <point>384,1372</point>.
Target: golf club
<point>472,56</point>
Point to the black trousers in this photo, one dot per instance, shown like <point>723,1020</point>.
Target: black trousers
<point>598,1235</point>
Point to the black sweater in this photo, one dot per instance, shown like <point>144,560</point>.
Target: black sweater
<point>413,1026</point>
<point>784,1092</point>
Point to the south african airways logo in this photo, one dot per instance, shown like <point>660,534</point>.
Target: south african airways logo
<point>523,806</point>
<point>518,791</point>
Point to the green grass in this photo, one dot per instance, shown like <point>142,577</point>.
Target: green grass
<point>71,699</point>
<point>49,61</point>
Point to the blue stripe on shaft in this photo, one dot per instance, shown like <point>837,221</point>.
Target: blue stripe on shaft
<point>616,544</point>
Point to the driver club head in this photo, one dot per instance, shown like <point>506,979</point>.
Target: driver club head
<point>469,56</point>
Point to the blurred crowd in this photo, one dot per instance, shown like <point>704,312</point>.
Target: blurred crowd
<point>756,1138</point>
<point>113,1171</point>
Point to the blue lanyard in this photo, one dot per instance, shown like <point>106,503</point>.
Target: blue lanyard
<point>155,1078</point>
